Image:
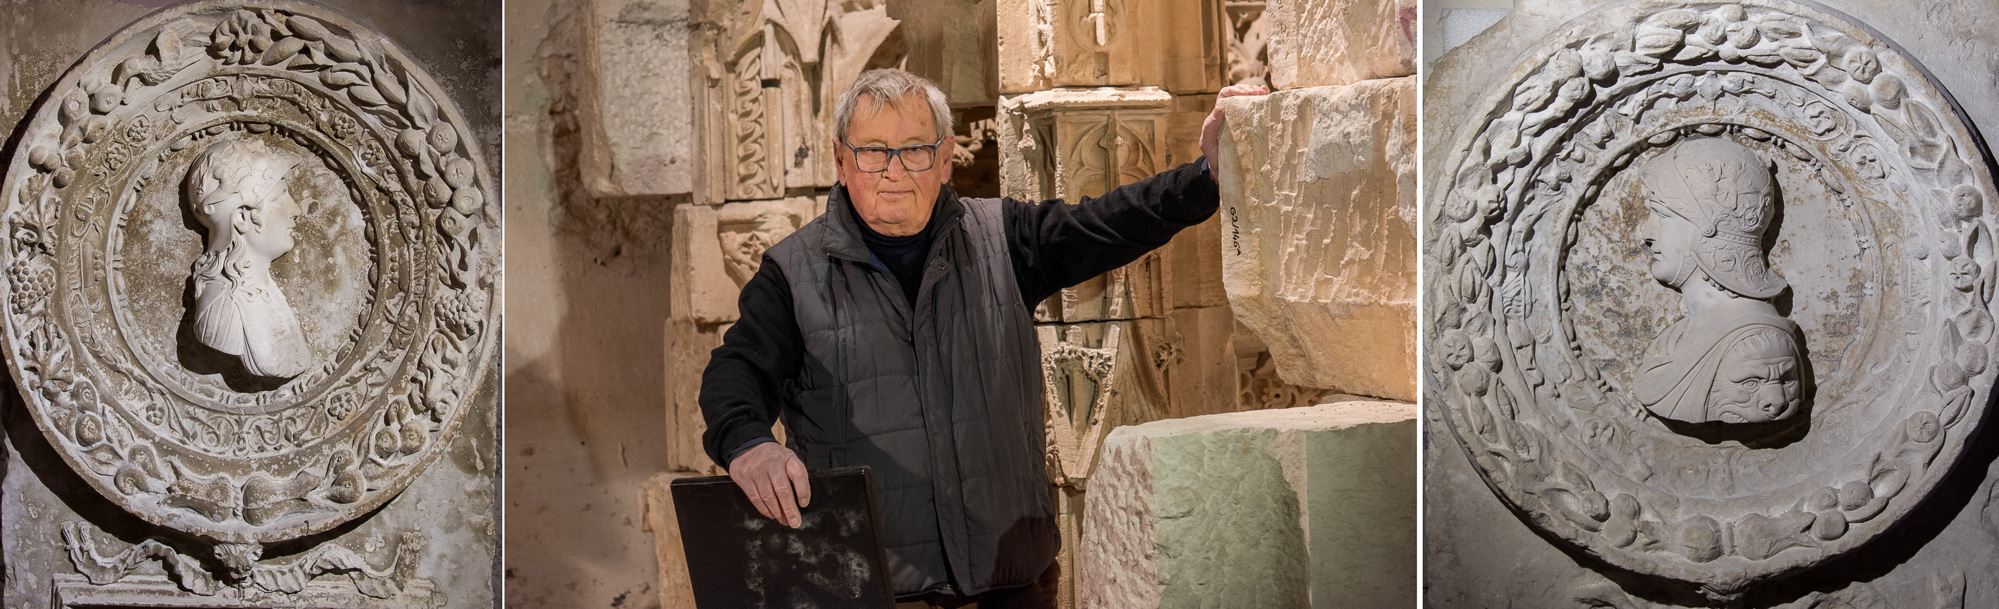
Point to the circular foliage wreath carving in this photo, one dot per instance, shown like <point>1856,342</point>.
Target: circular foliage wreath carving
<point>1537,287</point>
<point>389,273</point>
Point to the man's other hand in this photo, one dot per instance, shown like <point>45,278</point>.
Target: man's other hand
<point>1211,130</point>
<point>770,474</point>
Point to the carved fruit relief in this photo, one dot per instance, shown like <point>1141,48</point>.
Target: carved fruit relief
<point>250,271</point>
<point>1710,288</point>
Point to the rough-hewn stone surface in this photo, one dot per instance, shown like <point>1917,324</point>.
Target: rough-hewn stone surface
<point>1318,43</point>
<point>1318,231</point>
<point>1716,515</point>
<point>638,128</point>
<point>1299,507</point>
<point>675,590</point>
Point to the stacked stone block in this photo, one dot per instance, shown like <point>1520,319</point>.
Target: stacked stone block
<point>1299,507</point>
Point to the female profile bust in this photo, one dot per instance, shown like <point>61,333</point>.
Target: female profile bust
<point>237,190</point>
<point>1733,358</point>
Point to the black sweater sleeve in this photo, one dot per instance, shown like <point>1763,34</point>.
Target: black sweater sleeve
<point>1055,245</point>
<point>739,390</point>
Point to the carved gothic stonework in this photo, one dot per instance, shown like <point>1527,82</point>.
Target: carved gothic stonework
<point>1082,143</point>
<point>1822,208</point>
<point>249,280</point>
<point>767,77</point>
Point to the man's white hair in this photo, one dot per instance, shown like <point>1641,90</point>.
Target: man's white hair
<point>889,86</point>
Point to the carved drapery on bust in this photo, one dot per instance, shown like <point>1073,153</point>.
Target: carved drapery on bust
<point>1540,301</point>
<point>236,189</point>
<point>230,120</point>
<point>1733,357</point>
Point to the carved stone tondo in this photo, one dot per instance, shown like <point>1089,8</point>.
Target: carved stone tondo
<point>248,271</point>
<point>1710,288</point>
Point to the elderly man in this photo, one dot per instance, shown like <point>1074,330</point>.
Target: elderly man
<point>895,331</point>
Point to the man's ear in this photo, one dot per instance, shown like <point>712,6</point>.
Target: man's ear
<point>839,160</point>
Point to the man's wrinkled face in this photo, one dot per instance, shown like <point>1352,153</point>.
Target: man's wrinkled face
<point>895,201</point>
<point>1756,382</point>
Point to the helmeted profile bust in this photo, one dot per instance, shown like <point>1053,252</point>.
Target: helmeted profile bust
<point>1733,358</point>
<point>237,190</point>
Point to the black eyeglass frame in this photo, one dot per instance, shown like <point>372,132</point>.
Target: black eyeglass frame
<point>894,154</point>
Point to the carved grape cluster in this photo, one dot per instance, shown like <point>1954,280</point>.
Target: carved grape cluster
<point>32,283</point>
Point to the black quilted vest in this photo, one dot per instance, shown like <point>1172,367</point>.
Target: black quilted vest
<point>943,400</point>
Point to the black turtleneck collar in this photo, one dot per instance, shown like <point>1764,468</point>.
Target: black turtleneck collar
<point>902,255</point>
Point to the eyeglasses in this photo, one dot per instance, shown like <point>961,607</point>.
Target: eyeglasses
<point>874,159</point>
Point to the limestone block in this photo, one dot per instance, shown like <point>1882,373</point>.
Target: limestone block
<point>636,127</point>
<point>1191,44</point>
<point>716,249</point>
<point>1176,44</point>
<point>1300,507</point>
<point>1318,43</point>
<point>676,590</point>
<point>961,43</point>
<point>1196,356</point>
<point>687,347</point>
<point>1319,251</point>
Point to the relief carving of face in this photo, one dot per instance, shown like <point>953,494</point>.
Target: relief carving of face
<point>1757,380</point>
<point>238,191</point>
<point>1733,358</point>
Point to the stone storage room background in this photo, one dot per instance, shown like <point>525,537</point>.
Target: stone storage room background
<point>135,473</point>
<point>1836,149</point>
<point>656,147</point>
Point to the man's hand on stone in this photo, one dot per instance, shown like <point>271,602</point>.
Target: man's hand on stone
<point>1211,130</point>
<point>770,474</point>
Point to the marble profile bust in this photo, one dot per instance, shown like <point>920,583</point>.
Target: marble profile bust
<point>1733,358</point>
<point>238,191</point>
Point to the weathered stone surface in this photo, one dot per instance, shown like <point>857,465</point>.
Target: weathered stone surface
<point>1197,357</point>
<point>1321,43</point>
<point>1318,197</point>
<point>1045,44</point>
<point>638,128</point>
<point>1272,508</point>
<point>676,591</point>
<point>1566,223</point>
<point>687,347</point>
<point>716,249</point>
<point>962,42</point>
<point>291,363</point>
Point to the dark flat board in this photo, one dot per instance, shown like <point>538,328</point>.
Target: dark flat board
<point>739,559</point>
